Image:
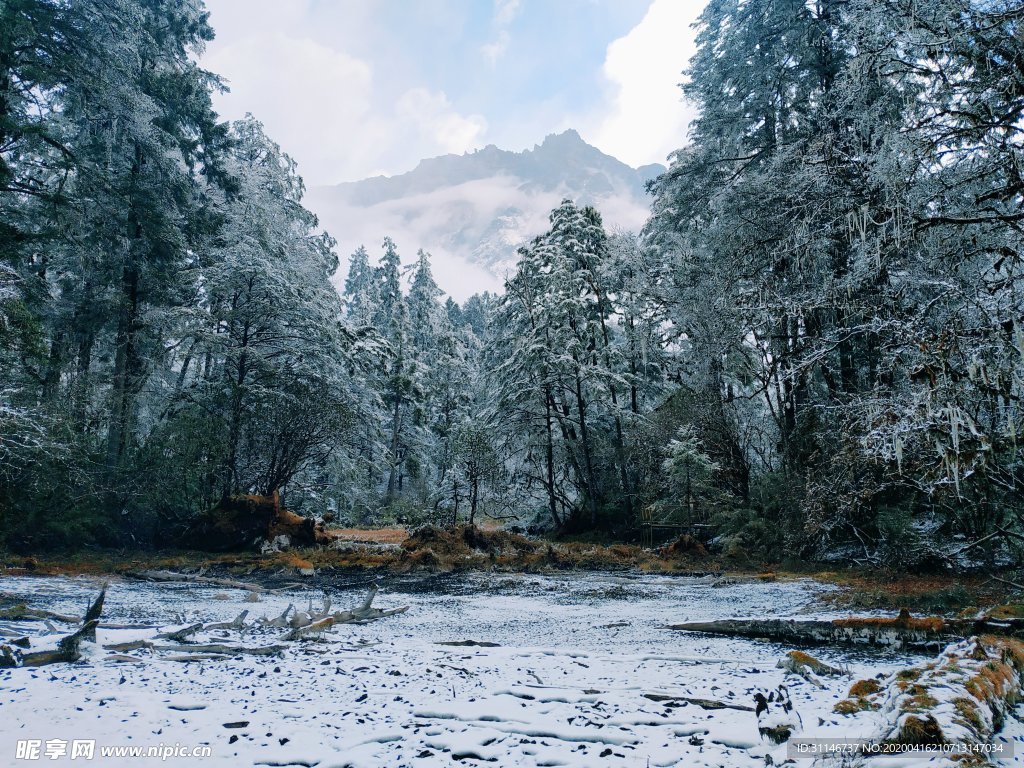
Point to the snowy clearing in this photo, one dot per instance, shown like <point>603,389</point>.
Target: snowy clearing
<point>563,686</point>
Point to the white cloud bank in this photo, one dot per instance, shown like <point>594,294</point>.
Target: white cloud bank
<point>644,117</point>
<point>329,109</point>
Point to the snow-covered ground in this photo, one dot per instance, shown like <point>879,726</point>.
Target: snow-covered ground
<point>563,686</point>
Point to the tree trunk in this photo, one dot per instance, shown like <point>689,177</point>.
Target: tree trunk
<point>396,425</point>
<point>549,461</point>
<point>588,461</point>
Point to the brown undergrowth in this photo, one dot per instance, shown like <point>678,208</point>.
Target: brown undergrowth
<point>864,589</point>
<point>961,697</point>
<point>428,548</point>
<point>434,549</point>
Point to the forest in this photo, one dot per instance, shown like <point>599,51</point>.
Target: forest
<point>815,345</point>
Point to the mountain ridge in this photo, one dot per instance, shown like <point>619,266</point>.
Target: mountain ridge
<point>472,211</point>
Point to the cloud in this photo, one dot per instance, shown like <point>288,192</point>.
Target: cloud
<point>297,87</point>
<point>505,12</point>
<point>644,117</point>
<point>471,229</point>
<point>495,49</point>
<point>328,109</point>
<point>433,115</point>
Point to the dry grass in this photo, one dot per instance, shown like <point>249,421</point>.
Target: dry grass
<point>865,687</point>
<point>853,706</point>
<point>859,697</point>
<point>1007,611</point>
<point>464,548</point>
<point>921,731</point>
<point>370,535</point>
<point>872,589</point>
<point>920,699</point>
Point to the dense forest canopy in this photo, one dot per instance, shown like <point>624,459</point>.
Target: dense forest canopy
<point>815,346</point>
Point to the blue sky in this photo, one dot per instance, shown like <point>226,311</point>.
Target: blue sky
<point>354,88</point>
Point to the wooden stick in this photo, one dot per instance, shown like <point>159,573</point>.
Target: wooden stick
<point>702,703</point>
<point>134,645</point>
<point>264,650</point>
<point>1013,584</point>
<point>237,623</point>
<point>180,634</point>
<point>317,626</point>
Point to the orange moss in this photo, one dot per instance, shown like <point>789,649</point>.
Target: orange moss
<point>292,560</point>
<point>858,699</point>
<point>1007,611</point>
<point>865,688</point>
<point>903,621</point>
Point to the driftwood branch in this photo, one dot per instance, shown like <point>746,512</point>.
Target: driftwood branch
<point>22,612</point>
<point>702,703</point>
<point>999,531</point>
<point>190,578</point>
<point>92,614</point>
<point>179,635</point>
<point>1013,584</point>
<point>307,622</point>
<point>133,645</point>
<point>219,648</point>
<point>237,623</point>
<point>904,632</point>
<point>67,650</point>
<point>317,626</point>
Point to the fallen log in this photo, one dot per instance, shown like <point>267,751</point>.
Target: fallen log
<point>149,645</point>
<point>365,618</point>
<point>237,623</point>
<point>179,635</point>
<point>317,626</point>
<point>191,578</point>
<point>702,703</point>
<point>197,657</point>
<point>365,613</point>
<point>280,622</point>
<point>67,650</point>
<point>133,645</point>
<point>22,612</point>
<point>904,632</point>
<point>120,658</point>
<point>230,650</point>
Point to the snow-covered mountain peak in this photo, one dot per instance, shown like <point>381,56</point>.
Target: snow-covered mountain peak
<point>471,211</point>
